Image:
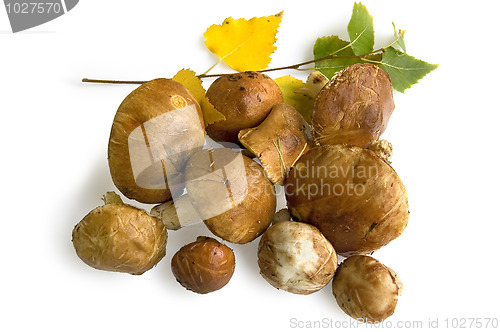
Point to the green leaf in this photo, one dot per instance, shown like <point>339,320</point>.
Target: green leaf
<point>400,37</point>
<point>360,29</point>
<point>404,69</point>
<point>325,46</point>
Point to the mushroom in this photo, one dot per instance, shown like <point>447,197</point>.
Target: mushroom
<point>230,193</point>
<point>203,266</point>
<point>155,130</point>
<point>245,99</point>
<point>278,141</point>
<point>119,237</point>
<point>354,198</point>
<point>366,289</point>
<point>296,257</point>
<point>354,107</point>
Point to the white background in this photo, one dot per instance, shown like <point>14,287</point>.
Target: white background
<point>54,133</point>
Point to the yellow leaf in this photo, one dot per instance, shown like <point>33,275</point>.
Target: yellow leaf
<point>188,78</point>
<point>302,103</point>
<point>244,44</point>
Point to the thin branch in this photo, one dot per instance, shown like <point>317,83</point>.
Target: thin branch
<point>372,61</point>
<point>91,80</point>
<point>295,67</point>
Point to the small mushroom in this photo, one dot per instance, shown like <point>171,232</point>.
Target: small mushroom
<point>315,82</point>
<point>245,99</point>
<point>203,266</point>
<point>119,237</point>
<point>296,257</point>
<point>366,289</point>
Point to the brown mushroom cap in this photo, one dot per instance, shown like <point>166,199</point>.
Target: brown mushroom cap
<point>245,99</point>
<point>366,289</point>
<point>354,198</point>
<point>278,141</point>
<point>296,257</point>
<point>231,193</point>
<point>154,131</point>
<point>203,266</point>
<point>354,107</point>
<point>120,237</point>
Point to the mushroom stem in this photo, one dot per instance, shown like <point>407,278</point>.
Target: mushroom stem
<point>282,215</point>
<point>176,213</point>
<point>111,197</point>
<point>383,149</point>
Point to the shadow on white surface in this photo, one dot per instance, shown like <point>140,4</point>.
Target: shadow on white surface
<point>76,205</point>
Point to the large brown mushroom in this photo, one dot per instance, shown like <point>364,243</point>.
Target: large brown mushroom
<point>231,194</point>
<point>354,107</point>
<point>155,130</point>
<point>355,198</point>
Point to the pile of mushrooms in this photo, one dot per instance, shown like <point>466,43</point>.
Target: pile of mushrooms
<point>343,197</point>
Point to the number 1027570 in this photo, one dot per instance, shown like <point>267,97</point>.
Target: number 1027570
<point>467,323</point>
<point>34,8</point>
